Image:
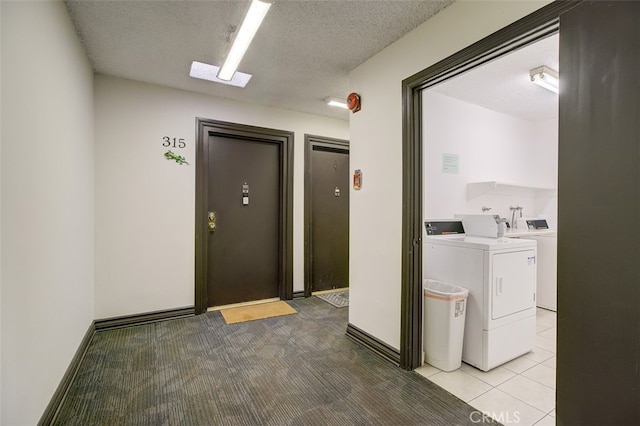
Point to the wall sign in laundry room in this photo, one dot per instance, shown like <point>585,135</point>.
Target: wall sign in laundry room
<point>450,163</point>
<point>179,143</point>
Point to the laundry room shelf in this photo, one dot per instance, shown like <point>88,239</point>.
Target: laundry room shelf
<point>476,189</point>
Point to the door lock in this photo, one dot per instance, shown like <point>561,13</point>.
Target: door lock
<point>212,221</point>
<point>245,194</point>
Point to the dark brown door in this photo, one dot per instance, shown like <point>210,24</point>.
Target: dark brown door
<point>249,255</point>
<point>599,188</point>
<point>244,196</point>
<point>328,199</point>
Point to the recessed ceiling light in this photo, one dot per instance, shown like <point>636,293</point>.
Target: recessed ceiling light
<point>336,102</point>
<point>210,72</point>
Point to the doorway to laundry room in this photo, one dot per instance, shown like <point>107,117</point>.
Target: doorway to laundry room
<point>490,148</point>
<point>596,153</point>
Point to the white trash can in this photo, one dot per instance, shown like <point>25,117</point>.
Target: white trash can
<point>443,324</point>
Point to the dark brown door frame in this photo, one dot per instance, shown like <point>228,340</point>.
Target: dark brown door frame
<point>535,26</point>
<point>205,128</point>
<point>310,143</point>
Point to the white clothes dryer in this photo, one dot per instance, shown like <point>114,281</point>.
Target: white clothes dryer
<point>500,274</point>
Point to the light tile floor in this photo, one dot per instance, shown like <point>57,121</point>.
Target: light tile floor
<point>519,392</point>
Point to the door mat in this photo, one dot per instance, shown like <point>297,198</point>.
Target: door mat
<point>256,312</point>
<point>339,299</point>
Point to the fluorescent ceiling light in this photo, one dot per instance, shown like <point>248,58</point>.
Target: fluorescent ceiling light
<point>545,77</point>
<point>209,72</point>
<point>336,102</point>
<point>250,25</point>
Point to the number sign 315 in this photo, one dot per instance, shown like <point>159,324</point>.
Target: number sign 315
<point>173,142</point>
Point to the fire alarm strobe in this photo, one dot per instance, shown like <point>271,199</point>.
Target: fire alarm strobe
<point>353,102</point>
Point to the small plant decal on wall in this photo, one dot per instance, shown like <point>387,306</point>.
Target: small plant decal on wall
<point>177,158</point>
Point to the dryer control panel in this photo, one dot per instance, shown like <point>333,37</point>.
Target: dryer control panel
<point>537,224</point>
<point>443,227</point>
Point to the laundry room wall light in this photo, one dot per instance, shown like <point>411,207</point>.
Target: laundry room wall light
<point>336,102</point>
<point>545,77</point>
<point>257,11</point>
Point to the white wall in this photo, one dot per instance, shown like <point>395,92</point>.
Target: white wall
<point>490,147</point>
<point>145,205</point>
<point>376,149</point>
<point>47,204</point>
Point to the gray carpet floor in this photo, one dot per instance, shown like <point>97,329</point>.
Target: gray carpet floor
<point>297,369</point>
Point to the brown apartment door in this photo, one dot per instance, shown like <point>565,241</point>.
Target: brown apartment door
<point>327,213</point>
<point>243,195</point>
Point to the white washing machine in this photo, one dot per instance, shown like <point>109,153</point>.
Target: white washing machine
<point>500,274</point>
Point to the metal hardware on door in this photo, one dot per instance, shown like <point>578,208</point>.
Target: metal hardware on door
<point>212,221</point>
<point>245,194</point>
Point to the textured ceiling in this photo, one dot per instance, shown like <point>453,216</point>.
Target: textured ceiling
<point>504,85</point>
<point>302,53</point>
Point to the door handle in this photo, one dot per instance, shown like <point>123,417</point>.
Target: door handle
<point>211,222</point>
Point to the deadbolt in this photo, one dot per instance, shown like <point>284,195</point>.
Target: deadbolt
<point>212,221</point>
